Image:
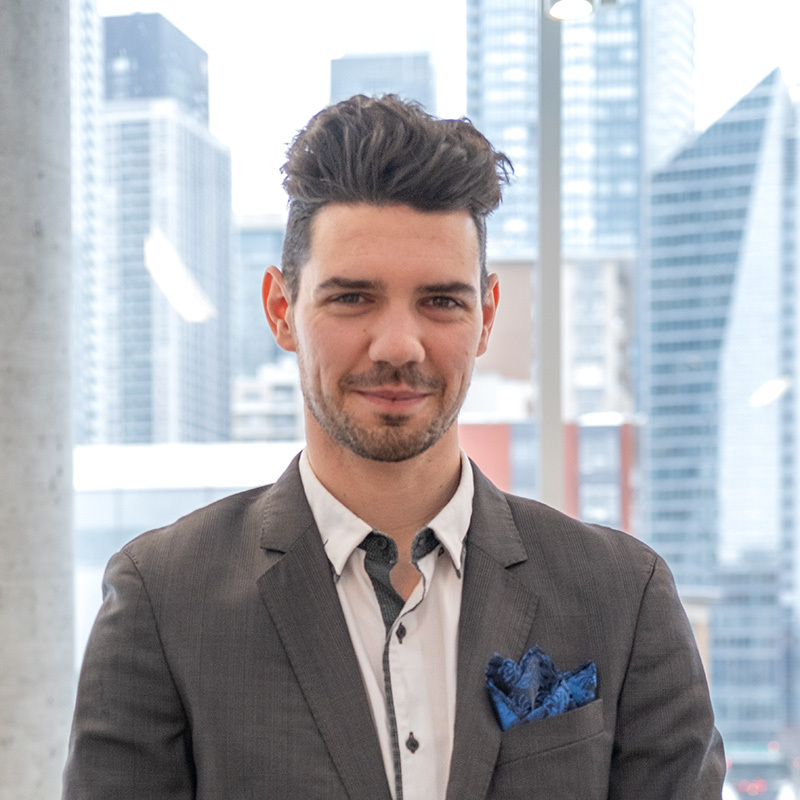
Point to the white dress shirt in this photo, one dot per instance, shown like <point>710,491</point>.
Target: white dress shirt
<point>420,648</point>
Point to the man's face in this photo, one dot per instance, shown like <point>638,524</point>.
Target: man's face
<point>387,323</point>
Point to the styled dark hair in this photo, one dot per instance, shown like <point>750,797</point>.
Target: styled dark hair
<point>386,151</point>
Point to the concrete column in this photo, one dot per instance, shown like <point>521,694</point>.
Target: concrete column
<point>36,664</point>
<point>551,432</point>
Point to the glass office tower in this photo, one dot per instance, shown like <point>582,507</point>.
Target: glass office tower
<point>627,102</point>
<point>169,254</point>
<point>719,348</point>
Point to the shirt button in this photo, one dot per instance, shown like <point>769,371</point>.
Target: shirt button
<point>411,743</point>
<point>401,632</point>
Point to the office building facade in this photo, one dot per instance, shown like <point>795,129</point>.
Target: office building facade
<point>147,56</point>
<point>169,252</point>
<point>626,102</point>
<point>719,345</point>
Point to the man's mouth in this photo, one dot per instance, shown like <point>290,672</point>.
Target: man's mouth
<point>390,379</point>
<point>393,399</point>
<point>395,394</point>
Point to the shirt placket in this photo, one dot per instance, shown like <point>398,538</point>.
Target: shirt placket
<point>408,671</point>
<point>402,665</point>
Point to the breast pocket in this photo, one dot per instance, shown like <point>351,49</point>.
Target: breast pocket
<point>539,736</point>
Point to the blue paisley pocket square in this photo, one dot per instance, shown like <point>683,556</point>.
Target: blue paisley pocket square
<point>533,688</point>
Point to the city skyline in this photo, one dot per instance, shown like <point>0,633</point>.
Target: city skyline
<point>692,566</point>
<point>241,55</point>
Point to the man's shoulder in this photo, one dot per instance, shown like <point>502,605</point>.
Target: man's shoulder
<point>220,524</point>
<point>577,565</point>
<point>544,529</point>
<point>221,520</point>
<point>549,535</point>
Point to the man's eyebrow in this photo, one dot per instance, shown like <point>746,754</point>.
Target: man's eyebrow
<point>359,284</point>
<point>451,287</point>
<point>349,284</point>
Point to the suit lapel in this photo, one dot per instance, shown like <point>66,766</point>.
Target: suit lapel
<point>497,612</point>
<point>300,595</point>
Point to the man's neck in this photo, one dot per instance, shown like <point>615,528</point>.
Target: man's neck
<point>396,498</point>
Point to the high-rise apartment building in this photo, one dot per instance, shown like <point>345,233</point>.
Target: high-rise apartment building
<point>409,75</point>
<point>719,349</point>
<point>166,322</point>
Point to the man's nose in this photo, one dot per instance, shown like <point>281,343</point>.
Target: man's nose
<point>396,338</point>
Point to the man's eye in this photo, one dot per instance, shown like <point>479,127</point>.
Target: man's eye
<point>348,299</point>
<point>445,303</point>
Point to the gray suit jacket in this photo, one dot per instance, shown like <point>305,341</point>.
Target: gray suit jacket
<point>220,665</point>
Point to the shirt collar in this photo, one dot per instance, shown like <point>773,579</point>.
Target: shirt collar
<point>342,531</point>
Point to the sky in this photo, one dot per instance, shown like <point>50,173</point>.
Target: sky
<point>269,63</point>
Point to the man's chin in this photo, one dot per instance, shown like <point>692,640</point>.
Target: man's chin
<point>386,437</point>
<point>390,452</point>
<point>393,443</point>
<point>394,420</point>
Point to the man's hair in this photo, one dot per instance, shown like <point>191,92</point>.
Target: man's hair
<point>385,151</point>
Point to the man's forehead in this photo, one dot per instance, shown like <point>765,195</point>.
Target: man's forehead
<point>363,241</point>
<point>384,218</point>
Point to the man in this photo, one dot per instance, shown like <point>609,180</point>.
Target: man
<point>330,636</point>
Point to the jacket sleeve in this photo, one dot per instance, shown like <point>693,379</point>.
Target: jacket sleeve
<point>130,736</point>
<point>666,745</point>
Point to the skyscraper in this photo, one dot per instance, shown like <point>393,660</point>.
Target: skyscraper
<point>502,92</point>
<point>409,75</point>
<point>719,347</point>
<point>626,102</point>
<point>147,57</point>
<point>168,268</point>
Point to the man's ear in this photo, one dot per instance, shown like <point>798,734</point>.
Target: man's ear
<point>490,302</point>
<point>278,308</point>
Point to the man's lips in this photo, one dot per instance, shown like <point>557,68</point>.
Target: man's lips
<point>393,397</point>
<point>383,378</point>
